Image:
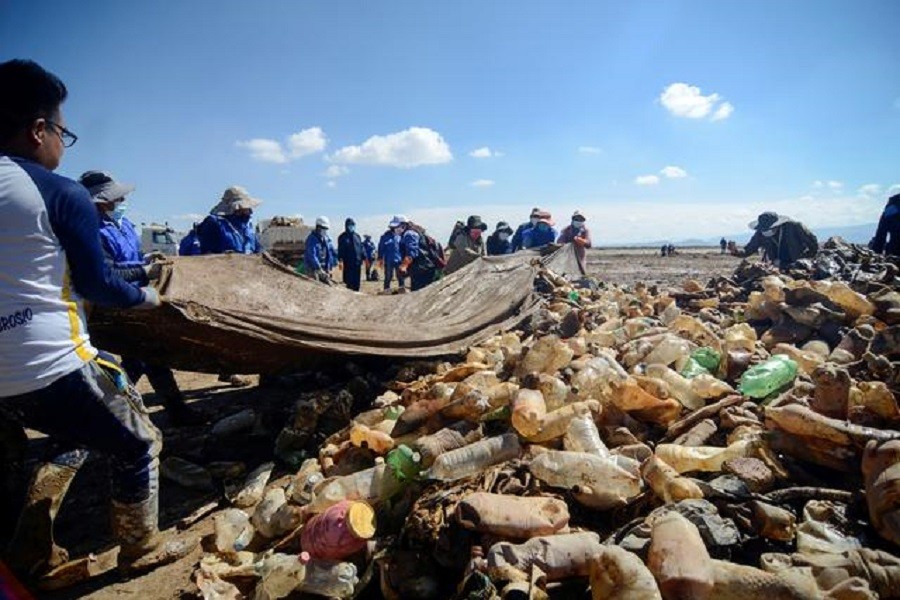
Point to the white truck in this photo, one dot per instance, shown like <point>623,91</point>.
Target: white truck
<point>284,238</point>
<point>159,238</point>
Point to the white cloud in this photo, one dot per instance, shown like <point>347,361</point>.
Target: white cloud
<point>302,143</point>
<point>818,184</point>
<point>306,141</point>
<point>485,152</point>
<point>482,183</point>
<point>835,185</point>
<point>413,147</point>
<point>894,189</point>
<point>334,171</point>
<point>870,189</point>
<point>723,112</point>
<point>589,149</point>
<point>684,100</point>
<point>673,172</point>
<point>264,150</point>
<point>646,180</point>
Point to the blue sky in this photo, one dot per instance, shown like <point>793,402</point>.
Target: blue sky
<point>659,119</point>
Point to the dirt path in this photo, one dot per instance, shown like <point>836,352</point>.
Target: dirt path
<point>83,522</point>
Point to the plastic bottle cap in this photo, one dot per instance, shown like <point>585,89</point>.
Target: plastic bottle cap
<point>361,520</point>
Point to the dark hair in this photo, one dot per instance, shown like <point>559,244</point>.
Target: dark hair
<point>29,92</point>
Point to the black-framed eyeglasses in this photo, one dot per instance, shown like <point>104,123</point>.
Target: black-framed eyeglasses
<point>68,138</point>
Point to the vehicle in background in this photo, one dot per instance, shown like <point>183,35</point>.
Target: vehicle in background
<point>159,238</point>
<point>284,238</point>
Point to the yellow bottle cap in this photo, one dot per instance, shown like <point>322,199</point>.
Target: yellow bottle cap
<point>361,520</point>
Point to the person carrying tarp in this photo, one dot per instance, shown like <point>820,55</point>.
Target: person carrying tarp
<point>499,242</point>
<point>368,255</point>
<point>577,233</point>
<point>783,241</point>
<point>887,236</point>
<point>518,241</point>
<point>542,233</point>
<point>319,257</point>
<point>390,253</point>
<point>350,254</point>
<point>122,250</point>
<point>468,245</point>
<point>52,379</point>
<point>228,227</point>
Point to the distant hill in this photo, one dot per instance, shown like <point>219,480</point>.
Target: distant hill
<point>857,234</point>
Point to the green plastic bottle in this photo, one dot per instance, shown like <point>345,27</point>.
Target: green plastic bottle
<point>707,358</point>
<point>766,378</point>
<point>404,463</point>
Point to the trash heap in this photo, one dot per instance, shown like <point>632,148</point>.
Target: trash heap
<point>739,439</point>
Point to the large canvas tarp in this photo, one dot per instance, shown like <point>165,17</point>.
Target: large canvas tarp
<point>249,314</point>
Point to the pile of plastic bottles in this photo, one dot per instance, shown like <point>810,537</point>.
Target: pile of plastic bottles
<point>739,439</point>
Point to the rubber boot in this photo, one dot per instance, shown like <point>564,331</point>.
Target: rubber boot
<point>163,381</point>
<point>32,549</point>
<point>142,546</point>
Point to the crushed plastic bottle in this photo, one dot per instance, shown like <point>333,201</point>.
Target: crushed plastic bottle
<point>373,439</point>
<point>328,578</point>
<point>679,387</point>
<point>582,436</point>
<point>528,410</point>
<point>685,459</point>
<point>264,515</point>
<point>549,354</point>
<point>471,459</point>
<point>601,483</point>
<point>678,558</point>
<point>512,516</point>
<point>369,485</point>
<point>233,530</point>
<point>554,424</point>
<point>766,378</point>
<point>444,440</point>
<point>557,556</point>
<point>253,486</point>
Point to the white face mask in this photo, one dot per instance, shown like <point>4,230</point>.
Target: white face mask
<point>577,224</point>
<point>534,220</point>
<point>503,236</point>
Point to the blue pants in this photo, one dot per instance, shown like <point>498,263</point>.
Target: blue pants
<point>389,271</point>
<point>91,408</point>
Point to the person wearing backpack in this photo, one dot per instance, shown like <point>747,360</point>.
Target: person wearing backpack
<point>423,257</point>
<point>468,244</point>
<point>390,253</point>
<point>783,240</point>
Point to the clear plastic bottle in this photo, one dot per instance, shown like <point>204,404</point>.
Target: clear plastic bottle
<point>554,424</point>
<point>666,483</point>
<point>502,394</point>
<point>365,437</point>
<point>582,436</point>
<point>264,514</point>
<point>671,350</point>
<point>471,459</point>
<point>679,387</point>
<point>703,458</point>
<point>629,396</point>
<point>765,378</point>
<point>233,530</point>
<point>527,411</point>
<point>678,558</point>
<point>444,440</point>
<point>549,354</point>
<point>740,337</point>
<point>253,487</point>
<point>368,485</point>
<point>555,392</point>
<point>329,578</point>
<point>280,575</point>
<point>309,475</point>
<point>708,387</point>
<point>602,483</point>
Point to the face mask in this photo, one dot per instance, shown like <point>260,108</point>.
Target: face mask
<point>475,234</point>
<point>351,228</point>
<point>577,224</point>
<point>534,220</point>
<point>503,236</point>
<point>241,218</point>
<point>542,227</point>
<point>118,211</point>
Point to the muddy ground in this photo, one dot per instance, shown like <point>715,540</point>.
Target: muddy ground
<point>82,526</point>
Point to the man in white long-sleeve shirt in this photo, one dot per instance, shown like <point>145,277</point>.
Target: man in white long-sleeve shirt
<point>51,378</point>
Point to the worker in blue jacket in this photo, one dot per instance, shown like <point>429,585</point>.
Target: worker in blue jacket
<point>350,254</point>
<point>887,236</point>
<point>518,237</point>
<point>228,227</point>
<point>368,255</point>
<point>122,251</point>
<point>319,257</point>
<point>542,233</point>
<point>390,253</point>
